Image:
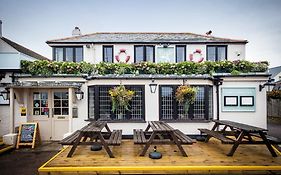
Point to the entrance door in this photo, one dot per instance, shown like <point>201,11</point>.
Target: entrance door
<point>50,110</point>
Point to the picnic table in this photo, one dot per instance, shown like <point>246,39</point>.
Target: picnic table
<point>162,133</point>
<point>93,131</point>
<point>238,133</point>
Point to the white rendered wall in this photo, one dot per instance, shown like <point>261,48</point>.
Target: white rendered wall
<point>93,53</point>
<point>256,118</point>
<point>259,116</point>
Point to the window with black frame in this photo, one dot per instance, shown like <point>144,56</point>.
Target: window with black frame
<point>100,105</point>
<point>108,54</point>
<point>171,110</point>
<point>70,54</point>
<point>144,53</point>
<point>216,53</point>
<point>180,53</point>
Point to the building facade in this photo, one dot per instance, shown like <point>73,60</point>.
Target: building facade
<point>51,100</point>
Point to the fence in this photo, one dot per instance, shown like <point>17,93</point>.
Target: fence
<point>274,108</point>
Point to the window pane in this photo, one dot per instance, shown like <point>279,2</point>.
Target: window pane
<point>59,54</point>
<point>107,54</point>
<point>64,95</point>
<point>57,103</point>
<point>180,53</point>
<point>79,54</point>
<point>57,111</point>
<point>64,103</point>
<point>57,95</point>
<point>69,54</point>
<point>221,53</point>
<point>36,111</point>
<point>167,103</point>
<point>44,103</point>
<point>139,54</point>
<point>211,53</point>
<point>64,111</point>
<point>165,54</point>
<point>149,53</point>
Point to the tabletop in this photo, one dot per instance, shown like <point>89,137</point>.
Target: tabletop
<point>95,126</point>
<point>240,126</point>
<point>160,126</point>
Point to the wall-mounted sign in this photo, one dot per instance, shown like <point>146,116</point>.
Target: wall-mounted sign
<point>22,111</point>
<point>238,99</point>
<point>246,101</point>
<point>230,100</point>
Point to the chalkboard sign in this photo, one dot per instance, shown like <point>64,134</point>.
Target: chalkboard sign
<point>28,134</point>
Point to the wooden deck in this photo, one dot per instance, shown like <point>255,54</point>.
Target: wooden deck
<point>203,158</point>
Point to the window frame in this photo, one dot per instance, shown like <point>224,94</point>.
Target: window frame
<point>216,50</point>
<point>175,118</point>
<point>176,59</point>
<point>64,52</point>
<point>103,53</point>
<point>144,52</point>
<point>97,107</point>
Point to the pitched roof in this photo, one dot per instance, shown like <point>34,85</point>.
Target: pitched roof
<point>24,50</point>
<point>136,37</point>
<point>274,71</point>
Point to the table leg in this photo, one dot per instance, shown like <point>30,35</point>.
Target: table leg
<point>105,145</point>
<point>236,144</point>
<point>148,144</point>
<point>76,143</point>
<point>175,140</point>
<point>213,129</point>
<point>269,147</point>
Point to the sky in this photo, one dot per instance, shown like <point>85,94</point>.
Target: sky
<point>32,22</point>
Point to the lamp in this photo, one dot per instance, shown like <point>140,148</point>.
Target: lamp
<point>79,94</point>
<point>5,94</point>
<point>153,86</point>
<point>268,83</point>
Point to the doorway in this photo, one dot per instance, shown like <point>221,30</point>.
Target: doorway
<point>50,108</point>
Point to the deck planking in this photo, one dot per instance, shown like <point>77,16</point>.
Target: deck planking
<point>212,153</point>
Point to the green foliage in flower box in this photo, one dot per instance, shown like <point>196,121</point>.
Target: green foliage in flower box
<point>44,67</point>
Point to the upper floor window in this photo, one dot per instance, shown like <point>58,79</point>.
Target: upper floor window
<point>74,54</point>
<point>180,53</point>
<point>144,53</point>
<point>108,54</point>
<point>216,53</point>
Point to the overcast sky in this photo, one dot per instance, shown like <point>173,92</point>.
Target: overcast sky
<point>33,22</point>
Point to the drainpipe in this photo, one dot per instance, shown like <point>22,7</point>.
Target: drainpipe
<point>217,82</point>
<point>12,121</point>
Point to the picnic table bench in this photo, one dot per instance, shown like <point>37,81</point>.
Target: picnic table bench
<point>161,133</point>
<point>237,134</point>
<point>93,131</point>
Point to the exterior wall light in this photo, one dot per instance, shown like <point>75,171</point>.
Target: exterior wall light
<point>153,86</point>
<point>5,94</point>
<point>79,94</point>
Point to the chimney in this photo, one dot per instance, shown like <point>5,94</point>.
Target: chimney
<point>0,28</point>
<point>76,32</point>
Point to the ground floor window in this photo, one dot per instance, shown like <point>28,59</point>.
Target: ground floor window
<point>40,103</point>
<point>170,109</point>
<point>100,106</point>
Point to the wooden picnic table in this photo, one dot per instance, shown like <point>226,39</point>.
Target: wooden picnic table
<point>238,133</point>
<point>162,133</point>
<point>93,130</point>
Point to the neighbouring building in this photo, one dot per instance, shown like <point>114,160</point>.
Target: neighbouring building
<point>11,54</point>
<point>51,100</point>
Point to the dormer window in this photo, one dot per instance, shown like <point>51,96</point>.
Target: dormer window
<point>70,54</point>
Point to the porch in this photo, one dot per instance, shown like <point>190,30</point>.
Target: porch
<point>203,158</point>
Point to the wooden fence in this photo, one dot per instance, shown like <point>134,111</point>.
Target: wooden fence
<point>274,108</point>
